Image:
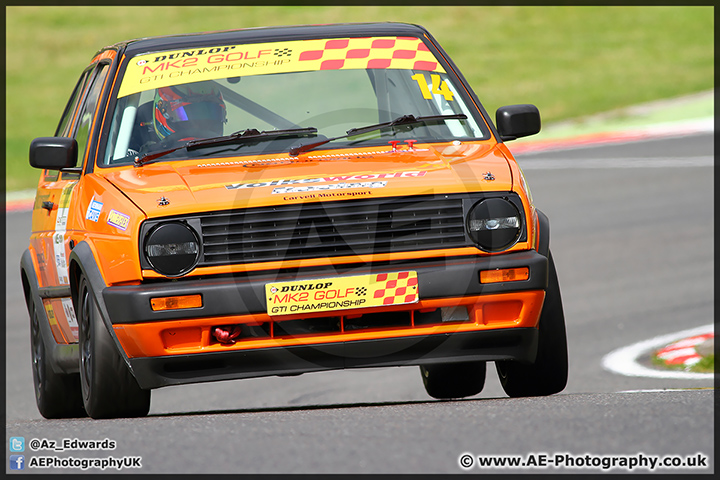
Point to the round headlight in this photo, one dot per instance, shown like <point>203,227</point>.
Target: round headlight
<point>494,224</point>
<point>172,249</point>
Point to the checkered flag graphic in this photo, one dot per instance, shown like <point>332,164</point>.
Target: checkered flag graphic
<point>361,291</point>
<point>282,52</point>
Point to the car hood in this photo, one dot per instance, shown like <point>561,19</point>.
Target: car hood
<point>208,184</point>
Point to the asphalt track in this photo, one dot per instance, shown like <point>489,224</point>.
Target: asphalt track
<point>632,237</point>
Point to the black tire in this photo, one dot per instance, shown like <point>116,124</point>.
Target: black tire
<point>453,380</point>
<point>57,395</point>
<point>109,390</point>
<point>549,373</point>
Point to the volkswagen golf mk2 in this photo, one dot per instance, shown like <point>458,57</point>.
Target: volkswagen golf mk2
<point>277,201</point>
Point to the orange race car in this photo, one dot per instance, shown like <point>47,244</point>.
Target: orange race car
<point>276,201</point>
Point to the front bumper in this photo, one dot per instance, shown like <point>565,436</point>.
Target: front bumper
<point>245,295</point>
<point>177,346</point>
<point>506,344</point>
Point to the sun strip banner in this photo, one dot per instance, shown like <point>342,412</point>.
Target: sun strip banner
<point>161,69</point>
<point>341,293</point>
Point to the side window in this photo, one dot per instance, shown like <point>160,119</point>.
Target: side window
<point>64,128</point>
<point>50,175</point>
<point>87,112</point>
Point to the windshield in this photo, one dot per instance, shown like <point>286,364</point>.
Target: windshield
<point>169,98</point>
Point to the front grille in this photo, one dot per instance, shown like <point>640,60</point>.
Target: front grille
<point>329,229</point>
<point>338,325</point>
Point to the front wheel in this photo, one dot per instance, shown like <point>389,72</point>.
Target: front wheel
<point>549,373</point>
<point>453,380</point>
<point>109,390</point>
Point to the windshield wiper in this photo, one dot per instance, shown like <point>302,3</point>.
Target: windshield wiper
<point>404,120</point>
<point>243,136</point>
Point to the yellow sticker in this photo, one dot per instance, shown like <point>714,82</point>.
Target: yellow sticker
<point>66,194</point>
<point>118,220</point>
<point>341,293</point>
<point>162,69</point>
<point>439,87</point>
<point>50,312</point>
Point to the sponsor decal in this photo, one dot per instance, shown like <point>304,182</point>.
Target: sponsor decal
<point>341,293</point>
<point>60,312</point>
<point>47,303</point>
<point>326,196</point>
<point>118,220</point>
<point>60,259</point>
<point>93,211</point>
<point>70,318</point>
<point>338,178</point>
<point>59,235</point>
<point>70,313</point>
<point>332,186</point>
<point>162,69</point>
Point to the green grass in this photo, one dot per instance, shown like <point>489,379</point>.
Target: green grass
<point>569,61</point>
<point>705,365</point>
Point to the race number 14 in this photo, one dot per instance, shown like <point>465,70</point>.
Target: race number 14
<point>439,87</point>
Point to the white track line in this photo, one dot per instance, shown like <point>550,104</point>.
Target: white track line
<point>638,162</point>
<point>624,360</point>
<point>656,390</point>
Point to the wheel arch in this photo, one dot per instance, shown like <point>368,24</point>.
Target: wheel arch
<point>81,262</point>
<point>74,272</point>
<point>63,357</point>
<point>29,279</point>
<point>27,289</point>
<point>543,234</point>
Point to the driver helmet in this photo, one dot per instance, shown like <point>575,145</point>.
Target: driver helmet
<point>187,109</point>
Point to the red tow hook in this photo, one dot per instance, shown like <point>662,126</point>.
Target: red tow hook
<point>227,335</point>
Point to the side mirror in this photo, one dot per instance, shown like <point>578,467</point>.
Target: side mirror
<point>53,153</point>
<point>515,121</point>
